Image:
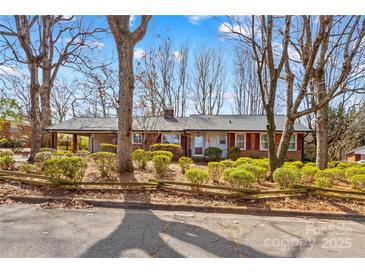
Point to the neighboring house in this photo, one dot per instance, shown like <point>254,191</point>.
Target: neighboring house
<point>356,154</point>
<point>194,133</point>
<point>16,133</point>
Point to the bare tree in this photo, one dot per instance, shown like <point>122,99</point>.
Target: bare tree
<point>125,41</point>
<point>44,44</point>
<point>246,92</point>
<point>208,81</point>
<point>62,97</point>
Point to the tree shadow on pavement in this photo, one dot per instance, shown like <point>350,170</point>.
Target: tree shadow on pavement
<point>144,231</point>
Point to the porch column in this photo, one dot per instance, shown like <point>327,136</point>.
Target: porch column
<point>54,140</point>
<point>74,142</point>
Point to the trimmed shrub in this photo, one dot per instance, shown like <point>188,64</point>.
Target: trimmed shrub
<point>332,164</point>
<point>212,153</point>
<point>286,177</point>
<point>30,168</point>
<point>47,149</point>
<point>7,162</point>
<point>70,168</point>
<point>352,171</point>
<point>358,181</point>
<point>335,174</point>
<point>105,163</point>
<point>241,177</point>
<point>164,146</point>
<point>309,173</point>
<point>323,179</point>
<point>298,164</point>
<point>40,157</point>
<point>185,163</point>
<point>83,153</point>
<point>258,172</point>
<point>215,171</point>
<point>234,153</point>
<point>108,148</point>
<point>310,164</point>
<point>227,163</point>
<point>6,153</point>
<point>64,153</point>
<point>227,172</point>
<point>139,157</point>
<point>161,164</point>
<point>342,165</point>
<point>243,161</point>
<point>262,163</point>
<point>162,153</point>
<point>197,176</point>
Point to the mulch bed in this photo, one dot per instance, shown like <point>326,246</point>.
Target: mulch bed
<point>303,203</point>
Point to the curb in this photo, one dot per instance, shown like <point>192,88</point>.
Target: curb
<point>197,208</point>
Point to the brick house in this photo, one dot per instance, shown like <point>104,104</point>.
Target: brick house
<point>356,154</point>
<point>194,133</point>
<point>16,131</point>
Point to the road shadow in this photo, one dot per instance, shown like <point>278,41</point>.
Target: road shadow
<point>164,238</point>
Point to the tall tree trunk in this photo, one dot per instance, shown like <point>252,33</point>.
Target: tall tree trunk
<point>321,123</point>
<point>46,115</point>
<point>126,88</point>
<point>271,130</point>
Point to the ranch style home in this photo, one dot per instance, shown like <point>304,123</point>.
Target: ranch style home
<point>194,133</point>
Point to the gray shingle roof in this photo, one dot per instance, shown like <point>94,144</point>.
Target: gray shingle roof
<point>193,123</point>
<point>358,150</point>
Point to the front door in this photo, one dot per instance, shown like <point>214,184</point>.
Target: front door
<point>217,139</point>
<point>198,145</point>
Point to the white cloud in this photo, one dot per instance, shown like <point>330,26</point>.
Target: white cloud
<point>132,19</point>
<point>96,44</point>
<point>177,56</point>
<point>196,19</point>
<point>9,71</point>
<point>227,29</point>
<point>139,53</point>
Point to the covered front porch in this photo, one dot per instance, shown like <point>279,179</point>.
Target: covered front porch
<point>202,140</point>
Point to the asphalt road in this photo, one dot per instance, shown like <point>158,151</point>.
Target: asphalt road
<point>30,231</point>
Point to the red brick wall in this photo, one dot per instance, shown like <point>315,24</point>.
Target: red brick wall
<point>253,146</point>
<point>352,157</point>
<point>23,132</point>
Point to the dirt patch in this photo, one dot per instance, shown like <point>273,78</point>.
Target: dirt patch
<point>67,204</point>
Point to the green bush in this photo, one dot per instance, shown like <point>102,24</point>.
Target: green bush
<point>243,161</point>
<point>358,181</point>
<point>342,165</point>
<point>309,173</point>
<point>332,164</point>
<point>227,163</point>
<point>234,153</point>
<point>30,168</point>
<point>286,177</point>
<point>47,149</point>
<point>323,179</point>
<point>70,168</point>
<point>105,163</point>
<point>258,172</point>
<point>227,172</point>
<point>40,157</point>
<point>241,177</point>
<point>6,153</point>
<point>64,153</point>
<point>197,176</point>
<point>212,153</point>
<point>164,146</point>
<point>298,164</point>
<point>185,163</point>
<point>139,157</point>
<point>168,154</point>
<point>161,164</point>
<point>215,171</point>
<point>262,163</point>
<point>82,153</point>
<point>7,162</point>
<point>335,174</point>
<point>352,171</point>
<point>108,148</point>
<point>310,164</point>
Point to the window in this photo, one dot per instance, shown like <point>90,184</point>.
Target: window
<point>293,143</point>
<point>222,139</point>
<point>137,138</point>
<point>171,139</point>
<point>264,142</point>
<point>240,140</point>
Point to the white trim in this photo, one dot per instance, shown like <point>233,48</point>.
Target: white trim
<point>171,133</point>
<point>261,148</point>
<point>133,143</point>
<point>295,142</point>
<point>244,142</point>
<point>193,145</point>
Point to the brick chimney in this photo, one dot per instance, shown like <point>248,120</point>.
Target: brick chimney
<point>168,113</point>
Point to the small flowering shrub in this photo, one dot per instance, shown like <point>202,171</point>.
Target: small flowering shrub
<point>105,163</point>
<point>298,164</point>
<point>70,168</point>
<point>334,174</point>
<point>64,153</point>
<point>215,171</point>
<point>139,157</point>
<point>185,163</point>
<point>227,172</point>
<point>286,177</point>
<point>197,176</point>
<point>241,178</point>
<point>161,164</point>
<point>262,163</point>
<point>309,173</point>
<point>358,181</point>
<point>108,148</point>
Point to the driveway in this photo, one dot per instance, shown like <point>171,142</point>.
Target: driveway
<point>30,231</point>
